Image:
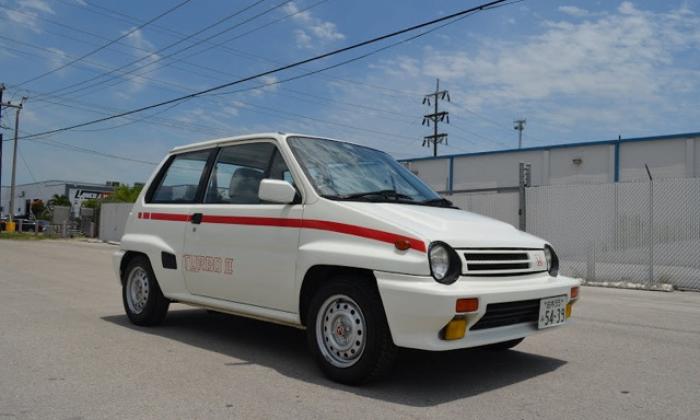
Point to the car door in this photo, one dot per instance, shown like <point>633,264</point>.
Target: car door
<point>238,248</point>
<point>164,214</point>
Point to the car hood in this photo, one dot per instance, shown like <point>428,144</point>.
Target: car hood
<point>458,228</point>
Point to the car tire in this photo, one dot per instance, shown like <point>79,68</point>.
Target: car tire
<point>506,345</point>
<point>347,331</point>
<point>143,300</point>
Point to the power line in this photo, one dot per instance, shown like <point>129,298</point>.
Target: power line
<point>102,47</point>
<point>218,22</point>
<point>248,55</point>
<point>149,68</point>
<point>451,17</point>
<point>252,56</point>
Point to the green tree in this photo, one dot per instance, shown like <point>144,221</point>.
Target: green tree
<point>125,194</point>
<point>59,200</point>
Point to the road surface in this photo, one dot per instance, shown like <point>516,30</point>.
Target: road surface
<point>67,351</point>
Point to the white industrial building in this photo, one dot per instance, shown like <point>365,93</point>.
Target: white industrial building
<point>597,162</point>
<point>594,201</point>
<point>77,192</point>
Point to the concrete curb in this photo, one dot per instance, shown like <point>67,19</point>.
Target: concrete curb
<point>661,287</point>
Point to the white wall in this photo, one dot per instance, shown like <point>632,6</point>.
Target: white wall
<point>433,172</point>
<point>666,159</point>
<point>597,165</point>
<point>113,218</point>
<point>40,190</point>
<point>495,170</point>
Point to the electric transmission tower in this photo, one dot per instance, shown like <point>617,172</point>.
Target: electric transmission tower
<point>435,117</point>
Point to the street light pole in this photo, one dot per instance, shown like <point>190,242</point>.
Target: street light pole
<point>520,126</point>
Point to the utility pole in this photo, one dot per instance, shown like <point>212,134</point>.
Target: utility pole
<point>435,117</point>
<point>2,88</point>
<point>11,212</point>
<point>520,126</point>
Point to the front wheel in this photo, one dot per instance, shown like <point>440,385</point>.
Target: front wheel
<point>347,331</point>
<point>143,300</point>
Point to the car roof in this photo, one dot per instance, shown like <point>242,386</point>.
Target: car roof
<point>264,135</point>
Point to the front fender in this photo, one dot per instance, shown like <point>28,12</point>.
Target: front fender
<point>171,281</point>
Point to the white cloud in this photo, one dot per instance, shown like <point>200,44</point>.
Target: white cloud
<point>314,31</point>
<point>58,58</point>
<point>27,13</point>
<point>302,38</point>
<point>140,43</point>
<point>574,11</point>
<point>621,58</point>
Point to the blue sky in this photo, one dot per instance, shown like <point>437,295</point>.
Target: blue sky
<point>576,70</point>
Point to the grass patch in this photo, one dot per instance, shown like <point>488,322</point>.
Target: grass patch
<point>25,236</point>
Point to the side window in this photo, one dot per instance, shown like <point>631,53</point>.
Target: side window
<point>279,169</point>
<point>181,180</point>
<point>236,176</point>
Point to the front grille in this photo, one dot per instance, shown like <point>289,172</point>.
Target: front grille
<point>495,256</point>
<point>502,262</point>
<point>501,266</point>
<point>508,313</point>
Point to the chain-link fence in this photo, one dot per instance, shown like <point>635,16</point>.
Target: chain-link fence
<point>641,232</point>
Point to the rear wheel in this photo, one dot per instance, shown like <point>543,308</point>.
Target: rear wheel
<point>347,331</point>
<point>506,345</point>
<point>143,300</point>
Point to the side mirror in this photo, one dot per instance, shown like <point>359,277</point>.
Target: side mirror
<point>276,191</point>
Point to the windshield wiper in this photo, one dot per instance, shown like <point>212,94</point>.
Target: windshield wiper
<point>385,194</point>
<point>441,202</point>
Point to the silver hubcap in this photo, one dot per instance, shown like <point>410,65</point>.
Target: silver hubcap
<point>340,331</point>
<point>137,290</point>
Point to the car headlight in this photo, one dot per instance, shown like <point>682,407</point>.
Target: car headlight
<point>445,266</point>
<point>552,261</point>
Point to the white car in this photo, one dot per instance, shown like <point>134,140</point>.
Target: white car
<point>336,238</point>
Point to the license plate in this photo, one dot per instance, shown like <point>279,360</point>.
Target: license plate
<point>552,312</point>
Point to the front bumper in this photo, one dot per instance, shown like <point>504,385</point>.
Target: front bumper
<point>418,307</point>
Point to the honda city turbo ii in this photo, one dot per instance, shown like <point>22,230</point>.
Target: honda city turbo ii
<point>339,239</point>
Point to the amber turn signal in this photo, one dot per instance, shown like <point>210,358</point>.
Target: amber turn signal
<point>467,305</point>
<point>455,329</point>
<point>402,244</point>
<point>574,292</point>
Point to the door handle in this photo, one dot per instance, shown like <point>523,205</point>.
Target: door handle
<point>196,218</point>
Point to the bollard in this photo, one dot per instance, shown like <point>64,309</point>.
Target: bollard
<point>19,226</point>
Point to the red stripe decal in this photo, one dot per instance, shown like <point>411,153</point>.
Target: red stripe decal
<point>253,221</point>
<point>377,235</point>
<point>170,217</point>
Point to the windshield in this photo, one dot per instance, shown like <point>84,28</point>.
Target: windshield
<point>347,171</point>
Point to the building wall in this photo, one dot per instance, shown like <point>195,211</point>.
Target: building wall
<point>673,156</point>
<point>75,191</point>
<point>581,165</point>
<point>433,172</point>
<point>666,159</point>
<point>495,170</point>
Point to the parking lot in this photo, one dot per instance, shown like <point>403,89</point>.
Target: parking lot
<point>68,351</point>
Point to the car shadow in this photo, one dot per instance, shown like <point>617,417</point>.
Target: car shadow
<point>419,378</point>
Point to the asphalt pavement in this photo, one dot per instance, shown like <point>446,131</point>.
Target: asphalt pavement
<point>67,351</point>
